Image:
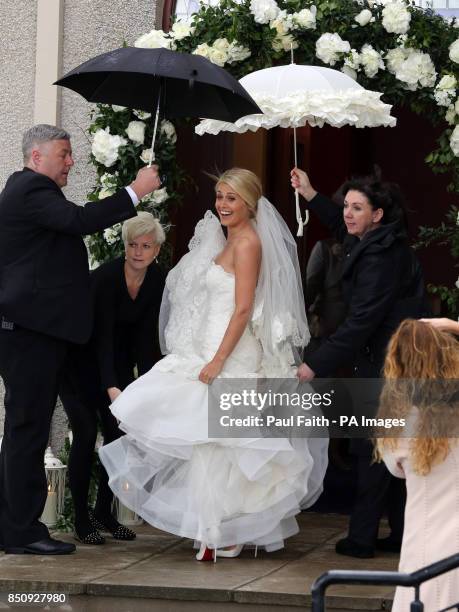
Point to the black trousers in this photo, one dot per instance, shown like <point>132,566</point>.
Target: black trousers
<point>378,492</point>
<point>31,365</point>
<point>86,405</point>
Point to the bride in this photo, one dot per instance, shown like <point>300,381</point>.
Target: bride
<point>231,309</point>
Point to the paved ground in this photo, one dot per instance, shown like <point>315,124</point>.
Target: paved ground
<point>158,572</point>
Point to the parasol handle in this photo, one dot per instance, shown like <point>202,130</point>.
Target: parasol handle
<point>155,128</point>
<point>299,218</point>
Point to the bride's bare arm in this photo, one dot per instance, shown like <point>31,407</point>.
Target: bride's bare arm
<point>247,257</point>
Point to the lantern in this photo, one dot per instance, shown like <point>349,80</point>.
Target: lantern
<point>55,477</point>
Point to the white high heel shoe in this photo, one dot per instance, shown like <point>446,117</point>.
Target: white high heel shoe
<point>231,553</point>
<point>206,554</point>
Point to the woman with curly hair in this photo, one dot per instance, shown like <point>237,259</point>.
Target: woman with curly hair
<point>422,372</point>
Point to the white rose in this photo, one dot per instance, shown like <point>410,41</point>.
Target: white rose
<point>202,49</point>
<point>450,115</point>
<point>454,141</point>
<point>105,193</point>
<point>371,60</point>
<point>145,156</point>
<point>456,106</point>
<point>105,147</point>
<point>396,18</point>
<point>217,56</point>
<point>118,109</point>
<point>168,129</point>
<point>364,17</point>
<point>454,51</point>
<point>154,39</point>
<point>142,114</point>
<point>448,81</point>
<point>136,132</point>
<point>264,11</point>
<point>109,181</point>
<point>282,24</point>
<point>237,53</point>
<point>181,30</point>
<point>329,46</point>
<point>395,58</point>
<point>306,18</point>
<point>457,283</point>
<point>221,44</point>
<point>284,43</point>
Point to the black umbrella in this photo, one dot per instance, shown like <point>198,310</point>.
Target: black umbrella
<point>183,85</point>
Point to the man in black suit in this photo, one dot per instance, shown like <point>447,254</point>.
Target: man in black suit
<point>44,307</point>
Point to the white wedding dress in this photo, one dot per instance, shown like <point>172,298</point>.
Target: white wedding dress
<point>220,491</point>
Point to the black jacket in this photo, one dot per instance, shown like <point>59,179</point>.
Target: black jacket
<point>44,275</point>
<point>382,285</point>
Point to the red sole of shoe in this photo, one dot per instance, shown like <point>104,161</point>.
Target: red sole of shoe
<point>208,555</point>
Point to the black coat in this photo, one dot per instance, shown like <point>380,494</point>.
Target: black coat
<point>44,275</point>
<point>382,285</point>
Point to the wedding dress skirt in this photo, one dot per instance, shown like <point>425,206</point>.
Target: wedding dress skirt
<point>219,491</point>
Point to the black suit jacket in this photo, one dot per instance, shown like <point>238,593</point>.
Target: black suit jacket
<point>382,285</point>
<point>44,275</point>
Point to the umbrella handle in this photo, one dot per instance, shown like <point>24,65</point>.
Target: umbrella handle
<point>299,218</point>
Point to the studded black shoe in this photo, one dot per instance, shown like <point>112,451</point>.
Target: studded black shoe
<point>93,538</point>
<point>118,531</point>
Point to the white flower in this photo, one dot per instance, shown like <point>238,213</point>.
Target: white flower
<point>395,58</point>
<point>416,69</point>
<point>329,46</point>
<point>105,193</point>
<point>181,30</point>
<point>221,44</point>
<point>445,90</point>
<point>284,43</point>
<point>306,18</point>
<point>454,51</point>
<point>371,60</point>
<point>136,132</point>
<point>450,115</point>
<point>352,60</point>
<point>457,283</point>
<point>202,49</point>
<point>112,234</point>
<point>154,39</point>
<point>350,72</point>
<point>118,109</point>
<point>105,147</point>
<point>142,114</point>
<point>457,218</point>
<point>396,18</point>
<point>282,24</point>
<point>364,17</point>
<point>159,195</point>
<point>168,129</point>
<point>237,53</point>
<point>448,81</point>
<point>454,141</point>
<point>456,106</point>
<point>218,56</point>
<point>145,156</point>
<point>109,181</point>
<point>264,11</point>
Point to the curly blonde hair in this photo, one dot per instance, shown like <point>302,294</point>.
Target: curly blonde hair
<point>421,370</point>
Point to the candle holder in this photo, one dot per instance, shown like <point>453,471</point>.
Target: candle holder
<point>124,515</point>
<point>55,477</point>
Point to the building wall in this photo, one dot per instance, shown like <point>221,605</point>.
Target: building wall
<point>90,27</point>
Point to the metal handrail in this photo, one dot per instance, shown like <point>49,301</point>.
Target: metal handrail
<point>381,578</point>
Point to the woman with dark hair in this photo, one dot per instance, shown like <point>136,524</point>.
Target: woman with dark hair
<point>382,285</point>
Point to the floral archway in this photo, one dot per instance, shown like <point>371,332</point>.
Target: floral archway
<point>409,54</point>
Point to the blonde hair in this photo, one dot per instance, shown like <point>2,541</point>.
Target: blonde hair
<point>245,183</point>
<point>143,223</point>
<point>421,370</point>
